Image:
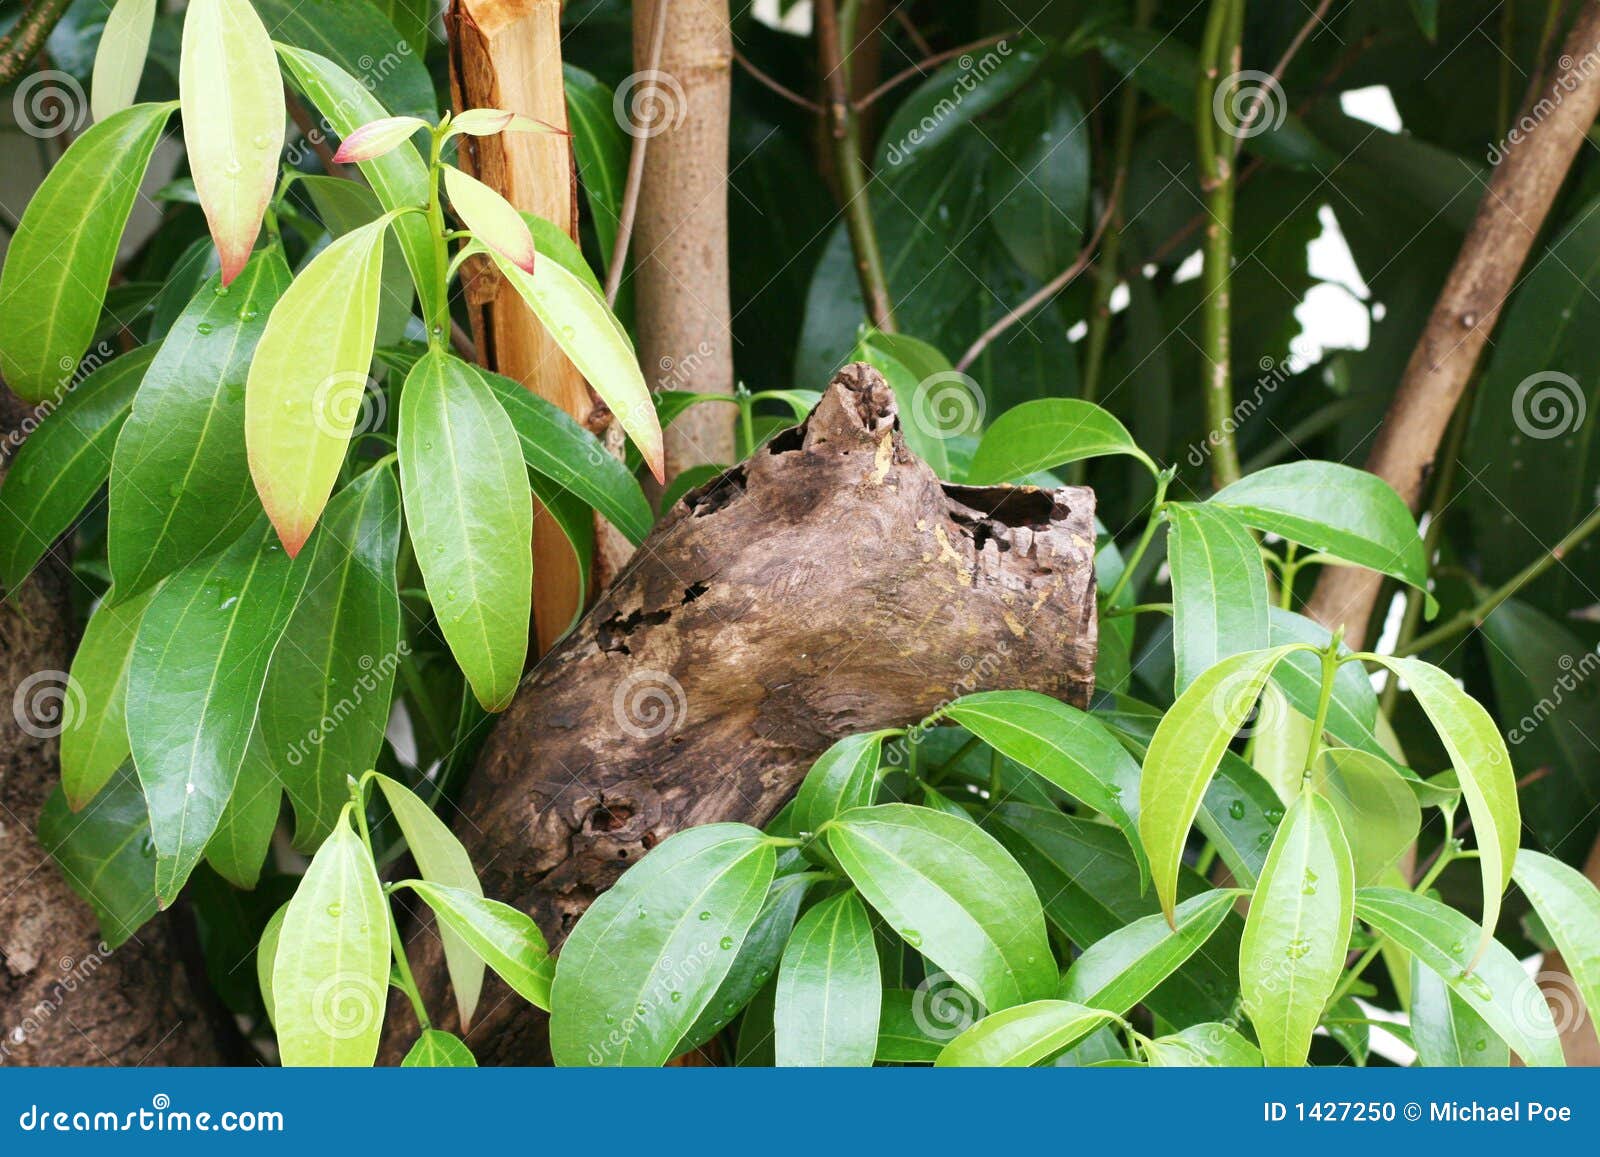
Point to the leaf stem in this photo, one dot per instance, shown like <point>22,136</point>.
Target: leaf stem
<point>439,321</point>
<point>1157,508</point>
<point>1330,668</point>
<point>408,982</point>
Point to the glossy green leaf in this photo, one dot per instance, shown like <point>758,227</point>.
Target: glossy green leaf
<point>1118,971</point>
<point>505,939</point>
<point>375,138</point>
<point>843,777</point>
<point>1489,979</point>
<point>1203,1046</point>
<point>829,988</point>
<point>233,118</point>
<point>1446,1030</point>
<point>1569,905</point>
<point>442,860</point>
<point>1066,746</point>
<point>309,378</point>
<point>439,1050</point>
<point>1478,754</point>
<point>556,446</point>
<point>906,1035</point>
<point>359,37</point>
<point>647,957</point>
<point>1184,753</point>
<point>1022,1036</point>
<point>267,958</point>
<point>194,682</point>
<point>490,217</point>
<point>344,206</point>
<point>105,854</point>
<point>1045,434</point>
<point>952,892</point>
<point>325,703</point>
<point>96,744</point>
<point>1298,930</point>
<point>470,514</point>
<point>59,260</point>
<point>1219,589</point>
<point>331,970</point>
<point>180,480</point>
<point>120,58</point>
<point>907,139</point>
<point>1338,509</point>
<point>600,148</point>
<point>238,848</point>
<point>1037,179</point>
<point>578,320</point>
<point>64,463</point>
<point>1378,812</point>
<point>1353,710</point>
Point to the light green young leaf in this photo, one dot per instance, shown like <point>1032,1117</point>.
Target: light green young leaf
<point>1446,1030</point>
<point>1569,905</point>
<point>267,958</point>
<point>442,860</point>
<point>1044,434</point>
<point>1064,745</point>
<point>954,894</point>
<point>308,380</point>
<point>1203,1046</point>
<point>505,939</point>
<point>1478,753</point>
<point>1022,1036</point>
<point>490,217</point>
<point>470,514</point>
<point>1377,811</point>
<point>1298,929</point>
<point>436,1049</point>
<point>120,57</point>
<point>375,138</point>
<point>829,988</point>
<point>1118,971</point>
<point>331,970</point>
<point>96,744</point>
<point>59,261</point>
<point>648,956</point>
<point>1184,753</point>
<point>486,122</point>
<point>1490,980</point>
<point>233,118</point>
<point>1219,590</point>
<point>843,777</point>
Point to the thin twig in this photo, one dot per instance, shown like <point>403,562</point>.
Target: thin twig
<point>1464,825</point>
<point>461,341</point>
<point>630,190</point>
<point>1275,79</point>
<point>27,36</point>
<point>920,68</point>
<point>1052,287</point>
<point>915,33</point>
<point>775,85</point>
<point>314,135</point>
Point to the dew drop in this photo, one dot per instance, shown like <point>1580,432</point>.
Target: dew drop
<point>1297,948</point>
<point>705,915</point>
<point>912,937</point>
<point>1308,885</point>
<point>335,908</point>
<point>247,314</point>
<point>1479,1045</point>
<point>676,997</point>
<point>1236,809</point>
<point>204,328</point>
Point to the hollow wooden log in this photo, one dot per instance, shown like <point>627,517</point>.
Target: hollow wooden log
<point>829,585</point>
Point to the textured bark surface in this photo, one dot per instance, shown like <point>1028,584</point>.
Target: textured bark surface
<point>830,585</point>
<point>64,998</point>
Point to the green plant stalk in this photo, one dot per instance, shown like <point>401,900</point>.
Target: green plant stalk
<point>439,323</point>
<point>408,982</point>
<point>1330,668</point>
<point>1157,508</point>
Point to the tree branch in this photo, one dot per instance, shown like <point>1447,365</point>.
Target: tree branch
<point>27,36</point>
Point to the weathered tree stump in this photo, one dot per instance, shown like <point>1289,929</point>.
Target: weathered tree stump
<point>829,585</point>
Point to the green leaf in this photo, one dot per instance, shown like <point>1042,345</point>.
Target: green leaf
<point>120,58</point>
<point>1489,979</point>
<point>1446,1030</point>
<point>1203,1046</point>
<point>936,402</point>
<point>829,988</point>
<point>505,939</point>
<point>1342,511</point>
<point>843,777</point>
<point>359,38</point>
<point>578,320</point>
<point>1022,1036</point>
<point>648,956</point>
<point>1219,590</point>
<point>984,78</point>
<point>59,260</point>
<point>331,970</point>
<point>600,148</point>
<point>1184,753</point>
<point>399,178</point>
<point>238,848</point>
<point>180,481</point>
<point>233,118</point>
<point>442,860</point>
<point>194,681</point>
<point>1353,710</point>
<point>411,19</point>
<point>267,958</point>
<point>555,446</point>
<point>1569,906</point>
<point>325,702</point>
<point>1376,809</point>
<point>64,463</point>
<point>1298,930</point>
<point>1478,754</point>
<point>309,378</point>
<point>1064,745</point>
<point>490,217</point>
<point>345,206</point>
<point>96,744</point>
<point>439,1050</point>
<point>952,893</point>
<point>1117,971</point>
<point>470,514</point>
<point>904,1035</point>
<point>1044,434</point>
<point>1038,179</point>
<point>106,854</point>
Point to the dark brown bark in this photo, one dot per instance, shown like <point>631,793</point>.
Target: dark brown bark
<point>830,585</point>
<point>64,998</point>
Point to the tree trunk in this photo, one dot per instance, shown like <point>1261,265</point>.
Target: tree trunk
<point>828,586</point>
<point>65,999</point>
